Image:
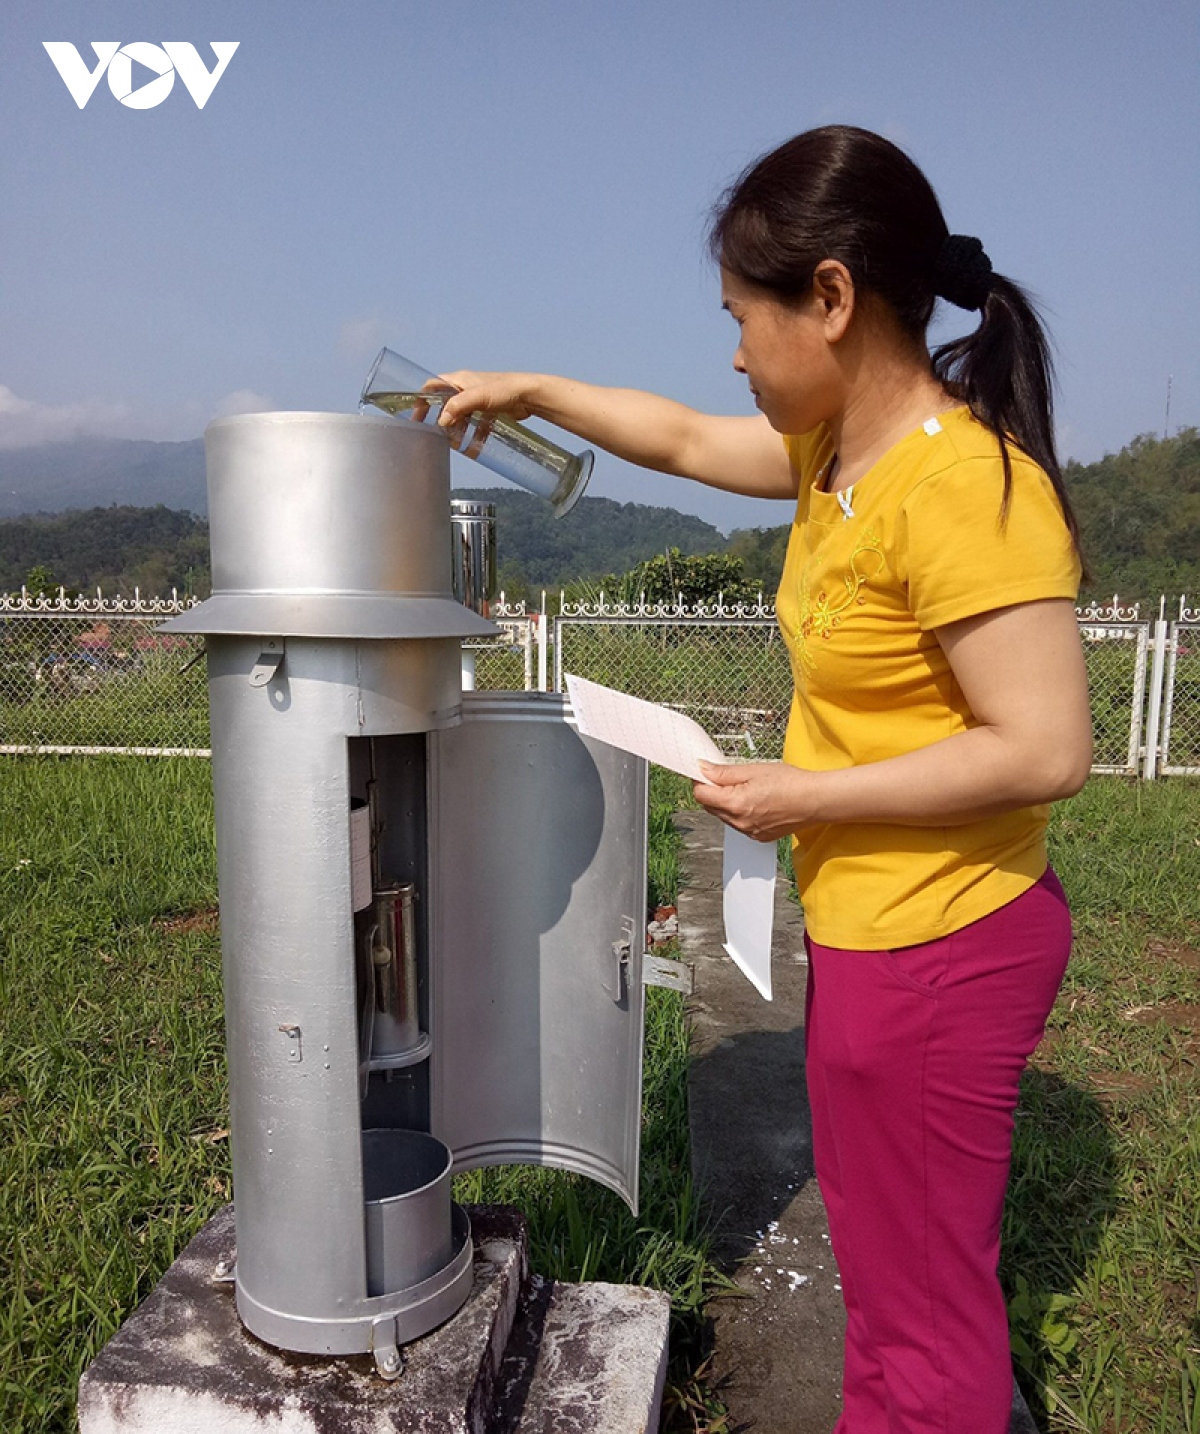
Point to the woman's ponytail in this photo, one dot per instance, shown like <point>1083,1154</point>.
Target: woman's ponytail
<point>1003,371</point>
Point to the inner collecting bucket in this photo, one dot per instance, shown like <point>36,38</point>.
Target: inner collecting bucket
<point>406,1186</point>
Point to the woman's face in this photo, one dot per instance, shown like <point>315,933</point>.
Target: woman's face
<point>786,354</point>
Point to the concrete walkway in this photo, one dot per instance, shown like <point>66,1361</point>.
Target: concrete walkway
<point>777,1356</point>
<point>777,1359</point>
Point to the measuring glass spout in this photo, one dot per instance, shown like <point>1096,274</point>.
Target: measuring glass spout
<point>414,395</point>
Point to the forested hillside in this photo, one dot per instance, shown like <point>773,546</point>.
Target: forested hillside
<point>537,550</point>
<point>116,549</point>
<point>1139,511</point>
<point>91,471</point>
<point>1140,515</point>
<point>157,549</point>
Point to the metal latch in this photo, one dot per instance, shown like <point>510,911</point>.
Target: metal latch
<point>270,659</point>
<point>621,954</point>
<point>620,950</point>
<point>671,975</point>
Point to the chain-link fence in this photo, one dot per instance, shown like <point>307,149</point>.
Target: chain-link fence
<point>726,667</point>
<point>1115,653</point>
<point>507,663</point>
<point>1181,707</point>
<point>94,674</point>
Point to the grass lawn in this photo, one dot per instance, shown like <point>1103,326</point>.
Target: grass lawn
<point>1102,1236</point>
<point>113,1145</point>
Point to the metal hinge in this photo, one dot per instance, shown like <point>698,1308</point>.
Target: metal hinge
<point>671,975</point>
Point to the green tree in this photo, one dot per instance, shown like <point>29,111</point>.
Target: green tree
<point>40,581</point>
<point>672,576</point>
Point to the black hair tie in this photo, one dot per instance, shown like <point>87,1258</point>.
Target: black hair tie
<point>962,272</point>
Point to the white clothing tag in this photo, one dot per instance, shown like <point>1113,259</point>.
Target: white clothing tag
<point>931,426</point>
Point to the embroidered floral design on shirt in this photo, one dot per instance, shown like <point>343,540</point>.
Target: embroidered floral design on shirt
<point>823,612</point>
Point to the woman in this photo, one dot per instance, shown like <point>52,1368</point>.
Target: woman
<point>940,703</point>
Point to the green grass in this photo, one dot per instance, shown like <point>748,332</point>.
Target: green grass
<point>113,1104</point>
<point>1102,1231</point>
<point>112,1072</point>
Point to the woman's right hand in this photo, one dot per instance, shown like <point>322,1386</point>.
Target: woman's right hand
<point>741,455</point>
<point>506,393</point>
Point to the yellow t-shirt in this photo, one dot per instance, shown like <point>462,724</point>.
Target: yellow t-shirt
<point>870,573</point>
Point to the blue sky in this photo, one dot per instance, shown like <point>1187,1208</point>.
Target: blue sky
<point>525,185</point>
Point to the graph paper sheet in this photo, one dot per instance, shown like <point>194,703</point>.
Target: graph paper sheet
<point>673,740</point>
<point>661,735</point>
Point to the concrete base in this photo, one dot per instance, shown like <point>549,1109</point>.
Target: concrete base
<point>184,1364</point>
<point>584,1358</point>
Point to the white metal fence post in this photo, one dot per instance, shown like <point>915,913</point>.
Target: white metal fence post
<point>543,664</point>
<point>1154,711</point>
<point>1179,737</point>
<point>558,645</point>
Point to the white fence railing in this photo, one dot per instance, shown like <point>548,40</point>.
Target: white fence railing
<point>94,674</point>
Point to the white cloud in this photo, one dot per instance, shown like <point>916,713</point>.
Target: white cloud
<point>242,400</point>
<point>25,423</point>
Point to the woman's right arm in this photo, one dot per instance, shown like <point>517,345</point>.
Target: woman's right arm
<point>741,455</point>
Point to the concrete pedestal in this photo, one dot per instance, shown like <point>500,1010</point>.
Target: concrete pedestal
<point>521,1357</point>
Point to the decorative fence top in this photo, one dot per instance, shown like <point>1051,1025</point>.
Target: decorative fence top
<point>99,606</point>
<point>599,609</point>
<point>503,608</point>
<point>602,608</point>
<point>1109,612</point>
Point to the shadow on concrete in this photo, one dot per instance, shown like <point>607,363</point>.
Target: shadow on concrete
<point>748,1094</point>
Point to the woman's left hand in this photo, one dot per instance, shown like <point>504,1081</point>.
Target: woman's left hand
<point>766,800</point>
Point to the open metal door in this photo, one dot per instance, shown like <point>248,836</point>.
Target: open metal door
<point>538,894</point>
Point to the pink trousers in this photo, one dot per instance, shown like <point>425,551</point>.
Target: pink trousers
<point>913,1058</point>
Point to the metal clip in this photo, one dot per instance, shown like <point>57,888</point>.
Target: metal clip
<point>622,953</point>
<point>270,659</point>
<point>295,1051</point>
<point>389,1362</point>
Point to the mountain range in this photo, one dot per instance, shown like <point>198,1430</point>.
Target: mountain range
<point>98,472</point>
